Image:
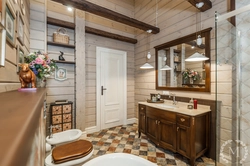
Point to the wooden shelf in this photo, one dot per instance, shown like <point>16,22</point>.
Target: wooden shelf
<point>60,44</point>
<point>54,21</point>
<point>66,62</point>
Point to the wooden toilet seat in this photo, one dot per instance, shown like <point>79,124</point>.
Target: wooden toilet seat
<point>71,151</point>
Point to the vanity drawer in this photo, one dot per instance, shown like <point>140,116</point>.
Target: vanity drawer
<point>66,117</point>
<point>56,119</point>
<point>67,108</point>
<point>56,109</point>
<point>142,107</point>
<point>183,120</point>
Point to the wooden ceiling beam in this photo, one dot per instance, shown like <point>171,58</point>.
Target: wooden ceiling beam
<point>109,14</point>
<point>207,4</point>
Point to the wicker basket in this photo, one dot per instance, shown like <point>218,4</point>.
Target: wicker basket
<point>60,36</point>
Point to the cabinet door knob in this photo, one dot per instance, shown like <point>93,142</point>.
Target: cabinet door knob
<point>159,122</point>
<point>182,119</point>
<point>142,108</point>
<point>177,128</point>
<point>156,121</point>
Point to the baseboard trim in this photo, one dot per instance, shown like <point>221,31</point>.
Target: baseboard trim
<point>94,128</point>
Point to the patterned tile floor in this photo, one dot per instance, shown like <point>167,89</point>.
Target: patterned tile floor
<point>125,139</point>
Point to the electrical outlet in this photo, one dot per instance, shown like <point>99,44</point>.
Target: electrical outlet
<point>165,92</point>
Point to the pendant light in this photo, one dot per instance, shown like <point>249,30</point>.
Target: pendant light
<point>197,56</point>
<point>166,67</point>
<point>148,56</point>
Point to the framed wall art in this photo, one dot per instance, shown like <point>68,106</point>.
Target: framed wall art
<point>61,74</point>
<point>19,57</point>
<point>10,25</point>
<point>22,7</point>
<point>20,28</point>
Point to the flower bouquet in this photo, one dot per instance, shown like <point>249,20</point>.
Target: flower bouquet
<point>40,64</point>
<point>191,74</point>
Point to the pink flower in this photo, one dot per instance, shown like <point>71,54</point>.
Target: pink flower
<point>39,60</point>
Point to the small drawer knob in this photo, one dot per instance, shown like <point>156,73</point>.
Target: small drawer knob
<point>182,119</point>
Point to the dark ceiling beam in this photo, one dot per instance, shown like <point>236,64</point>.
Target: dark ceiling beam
<point>207,4</point>
<point>109,35</point>
<point>109,14</point>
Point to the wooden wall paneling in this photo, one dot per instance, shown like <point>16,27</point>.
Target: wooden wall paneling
<point>56,10</point>
<point>110,35</point>
<point>51,99</point>
<point>8,73</point>
<point>55,55</point>
<point>9,86</point>
<point>123,7</point>
<point>58,48</point>
<point>98,10</point>
<point>37,27</point>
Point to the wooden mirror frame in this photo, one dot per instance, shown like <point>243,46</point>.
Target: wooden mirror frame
<point>204,33</point>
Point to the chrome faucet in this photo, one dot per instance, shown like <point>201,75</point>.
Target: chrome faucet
<point>50,131</point>
<point>173,95</point>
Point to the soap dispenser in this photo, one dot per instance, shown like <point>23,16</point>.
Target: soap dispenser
<point>191,104</point>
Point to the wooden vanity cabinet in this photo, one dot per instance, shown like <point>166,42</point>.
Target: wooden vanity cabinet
<point>161,127</point>
<point>142,119</point>
<point>184,134</point>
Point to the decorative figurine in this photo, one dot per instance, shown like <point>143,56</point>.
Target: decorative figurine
<point>61,58</point>
<point>26,76</point>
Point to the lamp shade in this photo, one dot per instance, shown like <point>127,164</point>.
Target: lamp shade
<point>166,67</point>
<point>146,66</point>
<point>196,57</point>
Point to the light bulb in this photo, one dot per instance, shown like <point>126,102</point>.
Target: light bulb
<point>148,55</point>
<point>199,40</point>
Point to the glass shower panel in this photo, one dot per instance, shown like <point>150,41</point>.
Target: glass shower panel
<point>233,88</point>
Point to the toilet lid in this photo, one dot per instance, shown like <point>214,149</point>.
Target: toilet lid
<point>71,151</point>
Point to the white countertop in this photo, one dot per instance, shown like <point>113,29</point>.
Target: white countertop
<point>180,107</point>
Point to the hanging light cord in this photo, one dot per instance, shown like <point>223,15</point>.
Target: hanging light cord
<point>156,13</point>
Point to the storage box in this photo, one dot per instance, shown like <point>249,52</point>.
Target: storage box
<point>60,36</point>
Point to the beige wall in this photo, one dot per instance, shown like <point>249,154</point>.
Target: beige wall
<point>9,79</point>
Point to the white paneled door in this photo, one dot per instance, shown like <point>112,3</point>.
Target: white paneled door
<point>111,87</point>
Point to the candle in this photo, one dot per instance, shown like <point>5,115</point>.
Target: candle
<point>195,104</point>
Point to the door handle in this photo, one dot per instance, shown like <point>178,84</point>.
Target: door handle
<point>102,89</point>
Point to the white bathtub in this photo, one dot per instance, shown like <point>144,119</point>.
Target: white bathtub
<point>119,159</point>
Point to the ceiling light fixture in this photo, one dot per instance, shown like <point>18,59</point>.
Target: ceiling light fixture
<point>166,67</point>
<point>69,8</point>
<point>196,57</point>
<point>148,56</point>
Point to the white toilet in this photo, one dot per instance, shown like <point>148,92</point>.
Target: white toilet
<point>70,154</point>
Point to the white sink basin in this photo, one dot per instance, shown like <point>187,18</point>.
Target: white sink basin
<point>64,136</point>
<point>167,106</point>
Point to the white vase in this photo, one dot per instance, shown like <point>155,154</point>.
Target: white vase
<point>41,83</point>
<point>191,81</point>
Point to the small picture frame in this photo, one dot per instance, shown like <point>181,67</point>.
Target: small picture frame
<point>10,25</point>
<point>22,7</point>
<point>19,57</point>
<point>20,28</point>
<point>60,74</point>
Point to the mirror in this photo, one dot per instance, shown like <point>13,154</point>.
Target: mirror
<point>185,76</point>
